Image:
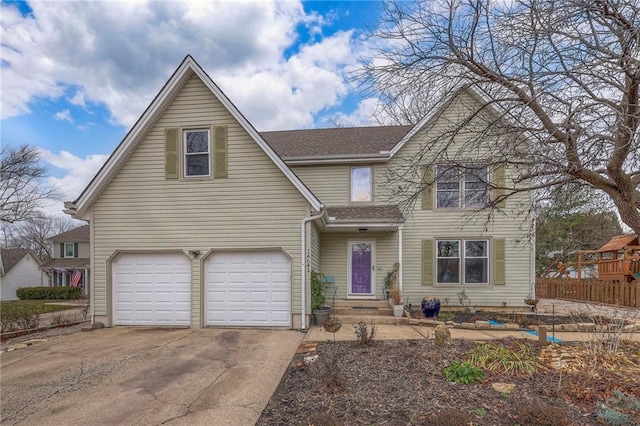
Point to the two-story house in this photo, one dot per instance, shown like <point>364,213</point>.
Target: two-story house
<point>70,264</point>
<point>197,219</point>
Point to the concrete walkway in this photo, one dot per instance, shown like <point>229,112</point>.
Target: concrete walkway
<point>416,332</point>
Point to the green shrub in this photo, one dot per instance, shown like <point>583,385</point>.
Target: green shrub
<point>18,316</point>
<point>48,293</point>
<point>317,290</point>
<point>463,372</point>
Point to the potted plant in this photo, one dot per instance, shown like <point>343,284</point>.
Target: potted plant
<point>391,281</point>
<point>430,306</point>
<point>396,297</point>
<point>318,308</point>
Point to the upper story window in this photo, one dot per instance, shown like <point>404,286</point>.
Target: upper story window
<point>361,184</point>
<point>69,250</point>
<point>458,187</point>
<point>197,150</point>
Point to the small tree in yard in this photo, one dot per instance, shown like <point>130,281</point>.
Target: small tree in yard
<point>556,87</point>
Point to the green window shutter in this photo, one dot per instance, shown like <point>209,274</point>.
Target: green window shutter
<point>499,181</point>
<point>499,261</point>
<point>171,153</point>
<point>427,262</point>
<point>62,253</point>
<point>75,249</point>
<point>427,195</point>
<point>220,164</point>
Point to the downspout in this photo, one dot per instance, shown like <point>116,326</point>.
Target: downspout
<point>303,263</point>
<point>400,257</point>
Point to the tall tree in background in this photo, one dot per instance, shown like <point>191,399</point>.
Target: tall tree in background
<point>562,75</point>
<point>32,234</point>
<point>22,190</point>
<point>575,219</point>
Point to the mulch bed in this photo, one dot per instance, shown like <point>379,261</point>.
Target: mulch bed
<point>401,383</point>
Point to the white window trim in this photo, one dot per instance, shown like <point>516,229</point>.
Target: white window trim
<point>73,250</point>
<point>351,199</point>
<point>462,186</point>
<point>462,258</point>
<point>185,154</point>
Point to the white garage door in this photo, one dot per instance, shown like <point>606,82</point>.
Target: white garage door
<point>248,289</point>
<point>152,289</point>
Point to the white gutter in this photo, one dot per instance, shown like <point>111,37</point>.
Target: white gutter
<point>303,263</point>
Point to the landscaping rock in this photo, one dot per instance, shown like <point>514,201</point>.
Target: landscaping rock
<point>468,325</point>
<point>630,328</point>
<point>97,325</point>
<point>483,324</point>
<point>512,326</point>
<point>586,326</point>
<point>566,327</point>
<point>414,321</point>
<point>503,387</point>
<point>443,335</point>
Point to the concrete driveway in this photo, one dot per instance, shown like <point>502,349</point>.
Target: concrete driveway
<point>145,376</point>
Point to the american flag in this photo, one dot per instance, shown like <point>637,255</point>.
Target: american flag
<point>76,276</point>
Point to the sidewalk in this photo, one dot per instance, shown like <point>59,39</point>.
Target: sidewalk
<point>416,332</point>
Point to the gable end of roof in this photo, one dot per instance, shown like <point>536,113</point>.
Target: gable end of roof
<point>187,68</point>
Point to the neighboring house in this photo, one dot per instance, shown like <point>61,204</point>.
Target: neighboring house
<point>70,265</point>
<point>19,268</point>
<point>198,220</point>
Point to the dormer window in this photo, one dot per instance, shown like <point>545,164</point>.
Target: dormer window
<point>361,184</point>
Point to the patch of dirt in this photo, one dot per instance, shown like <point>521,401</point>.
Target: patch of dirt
<point>401,383</point>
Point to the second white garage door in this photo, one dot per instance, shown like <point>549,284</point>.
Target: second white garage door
<point>152,289</point>
<point>248,289</point>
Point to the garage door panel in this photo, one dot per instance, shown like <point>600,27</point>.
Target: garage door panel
<point>248,289</point>
<point>152,289</point>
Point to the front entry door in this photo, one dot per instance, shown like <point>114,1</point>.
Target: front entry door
<point>361,269</point>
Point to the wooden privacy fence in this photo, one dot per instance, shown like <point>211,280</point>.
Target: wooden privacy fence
<point>612,292</point>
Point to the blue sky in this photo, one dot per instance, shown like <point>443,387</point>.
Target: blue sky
<point>76,75</point>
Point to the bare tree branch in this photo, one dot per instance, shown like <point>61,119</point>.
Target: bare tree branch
<point>559,85</point>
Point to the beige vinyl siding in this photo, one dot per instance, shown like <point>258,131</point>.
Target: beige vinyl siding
<point>315,248</point>
<point>456,223</point>
<point>332,183</point>
<point>334,257</point>
<point>255,207</point>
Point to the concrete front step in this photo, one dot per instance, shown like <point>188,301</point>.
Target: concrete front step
<point>359,303</point>
<point>354,319</point>
<point>364,311</point>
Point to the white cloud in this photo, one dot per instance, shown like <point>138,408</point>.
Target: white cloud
<point>121,53</point>
<point>79,171</point>
<point>63,115</point>
<point>368,113</point>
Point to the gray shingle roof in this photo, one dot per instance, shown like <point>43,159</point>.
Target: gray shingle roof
<point>339,141</point>
<point>10,257</point>
<point>78,234</point>
<point>68,263</point>
<point>364,214</point>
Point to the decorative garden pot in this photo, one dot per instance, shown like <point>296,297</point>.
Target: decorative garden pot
<point>321,315</point>
<point>398,310</point>
<point>430,307</point>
